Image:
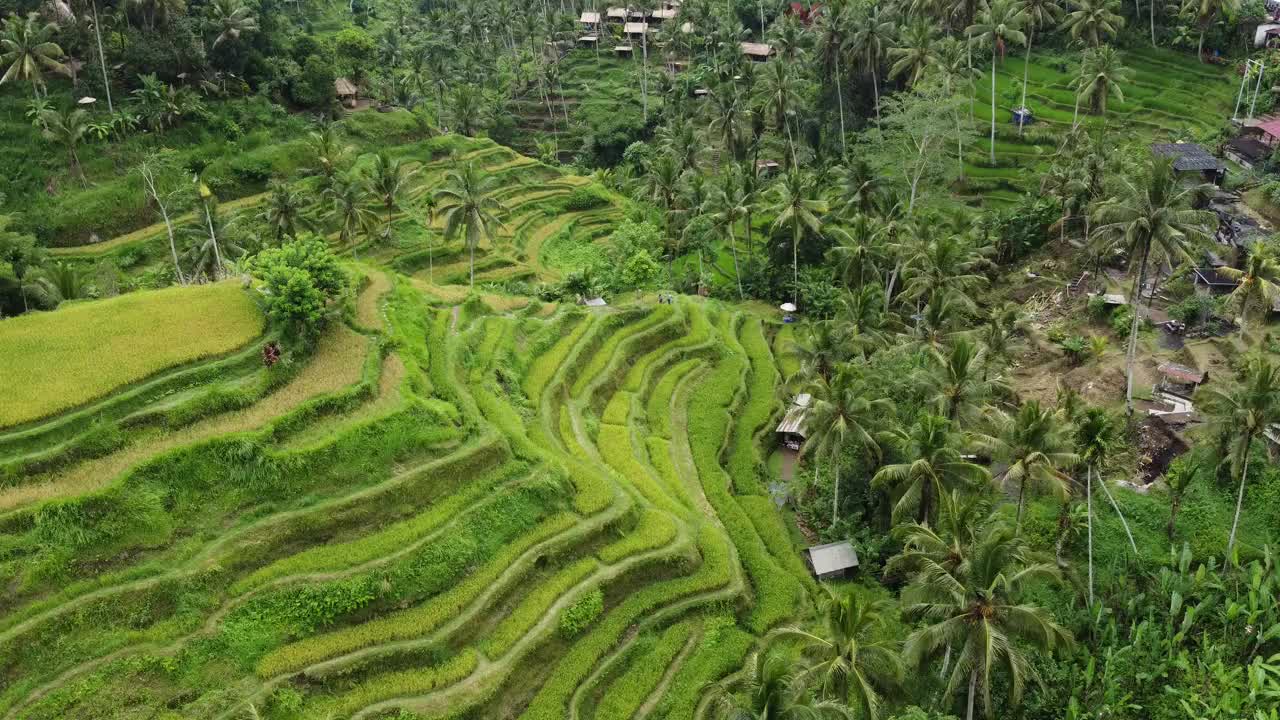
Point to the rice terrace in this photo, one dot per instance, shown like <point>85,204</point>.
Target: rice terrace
<point>874,360</point>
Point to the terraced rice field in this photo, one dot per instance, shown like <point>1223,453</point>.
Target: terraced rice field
<point>446,511</point>
<point>1170,98</point>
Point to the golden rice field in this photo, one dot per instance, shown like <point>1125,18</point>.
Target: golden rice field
<point>56,361</point>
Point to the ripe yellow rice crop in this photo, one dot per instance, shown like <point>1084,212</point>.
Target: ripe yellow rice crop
<point>54,361</point>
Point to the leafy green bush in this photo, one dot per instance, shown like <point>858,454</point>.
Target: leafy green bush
<point>300,279</point>
<point>1196,309</point>
<point>584,198</point>
<point>1122,321</point>
<point>579,616</point>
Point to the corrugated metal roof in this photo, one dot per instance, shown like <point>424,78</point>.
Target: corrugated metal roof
<point>832,557</point>
<point>1188,156</point>
<point>756,49</point>
<point>635,28</point>
<point>590,18</point>
<point>793,421</point>
<point>1181,373</point>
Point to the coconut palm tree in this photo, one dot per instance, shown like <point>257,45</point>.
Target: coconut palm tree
<point>285,211</point>
<point>1241,414</point>
<point>1206,13</point>
<point>871,32</point>
<point>1259,282</point>
<point>780,95</point>
<point>935,466</point>
<point>1151,210</point>
<point>67,128</point>
<point>842,416</point>
<point>976,608</point>
<point>467,203</point>
<point>351,208</point>
<point>1097,435</point>
<point>847,662</point>
<point>727,207</point>
<point>958,382</point>
<point>1034,448</point>
<point>391,180</point>
<point>1101,74</point>
<point>27,50</point>
<point>999,23</point>
<point>1093,21</point>
<point>1040,13</point>
<point>233,18</point>
<point>915,53</point>
<point>329,154</point>
<point>832,27</point>
<point>770,688</point>
<point>798,206</point>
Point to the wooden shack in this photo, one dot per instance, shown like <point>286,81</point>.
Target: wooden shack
<point>346,91</point>
<point>757,52</point>
<point>791,431</point>
<point>1180,380</point>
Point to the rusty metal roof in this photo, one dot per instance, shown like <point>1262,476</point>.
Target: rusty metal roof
<point>1181,373</point>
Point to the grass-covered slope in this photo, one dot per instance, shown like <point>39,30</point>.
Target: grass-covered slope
<point>493,514</point>
<point>55,361</point>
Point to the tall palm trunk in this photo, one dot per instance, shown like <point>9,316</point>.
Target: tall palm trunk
<point>472,250</point>
<point>844,150</point>
<point>1133,328</point>
<point>1244,477</point>
<point>1088,492</point>
<point>1026,69</point>
<point>1200,46</point>
<point>835,495</point>
<point>217,254</point>
<point>173,246</point>
<point>875,89</point>
<point>795,264</point>
<point>1115,506</point>
<point>1022,491</point>
<point>973,690</point>
<point>993,105</point>
<point>737,274</point>
<point>1152,7</point>
<point>102,60</point>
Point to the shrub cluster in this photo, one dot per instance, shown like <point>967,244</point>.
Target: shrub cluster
<point>582,613</point>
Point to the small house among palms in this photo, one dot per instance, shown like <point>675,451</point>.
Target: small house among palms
<point>635,30</point>
<point>589,19</point>
<point>791,431</point>
<point>832,561</point>
<point>1180,380</point>
<point>661,15</point>
<point>346,91</point>
<point>757,52</point>
<point>1209,280</point>
<point>616,14</point>
<point>1192,158</point>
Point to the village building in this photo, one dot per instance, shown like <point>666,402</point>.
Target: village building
<point>757,52</point>
<point>832,561</point>
<point>791,431</point>
<point>1180,380</point>
<point>346,91</point>
<point>1194,159</point>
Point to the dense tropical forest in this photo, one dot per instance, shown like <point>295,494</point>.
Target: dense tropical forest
<point>889,360</point>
